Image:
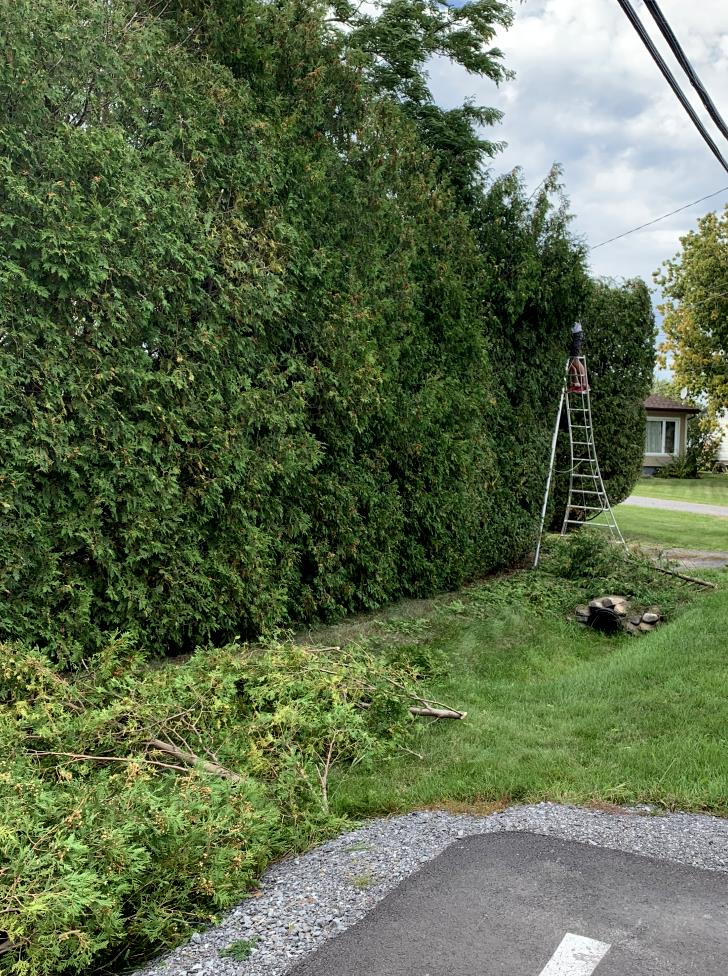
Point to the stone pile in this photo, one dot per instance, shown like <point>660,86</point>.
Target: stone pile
<point>611,614</point>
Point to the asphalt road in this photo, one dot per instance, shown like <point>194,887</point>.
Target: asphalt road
<point>519,904</point>
<point>695,508</point>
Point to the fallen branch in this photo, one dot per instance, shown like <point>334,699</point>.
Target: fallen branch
<point>190,759</point>
<point>82,757</point>
<point>427,711</point>
<point>438,712</point>
<point>688,579</point>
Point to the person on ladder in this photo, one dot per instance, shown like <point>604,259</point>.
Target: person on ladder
<point>578,382</point>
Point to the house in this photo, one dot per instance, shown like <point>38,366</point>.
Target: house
<point>721,454</point>
<point>666,434</point>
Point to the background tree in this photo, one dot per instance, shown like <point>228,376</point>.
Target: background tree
<point>695,285</point>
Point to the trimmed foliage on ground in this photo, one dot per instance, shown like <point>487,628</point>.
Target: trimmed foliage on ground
<point>138,799</point>
<point>116,840</point>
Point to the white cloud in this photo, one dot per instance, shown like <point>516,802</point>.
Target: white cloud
<point>588,95</point>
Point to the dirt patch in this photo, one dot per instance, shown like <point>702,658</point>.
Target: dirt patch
<point>360,626</point>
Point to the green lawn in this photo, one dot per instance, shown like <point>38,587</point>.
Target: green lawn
<point>711,489</point>
<point>557,712</point>
<point>672,529</point>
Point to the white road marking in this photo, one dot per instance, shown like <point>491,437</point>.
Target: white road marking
<point>576,956</point>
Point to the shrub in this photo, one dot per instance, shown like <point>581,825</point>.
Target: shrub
<point>684,466</point>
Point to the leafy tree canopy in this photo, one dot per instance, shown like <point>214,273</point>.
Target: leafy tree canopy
<point>695,284</point>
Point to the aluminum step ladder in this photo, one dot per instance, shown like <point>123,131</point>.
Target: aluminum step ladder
<point>587,498</point>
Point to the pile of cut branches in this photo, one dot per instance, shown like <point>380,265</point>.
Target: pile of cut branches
<point>136,801</point>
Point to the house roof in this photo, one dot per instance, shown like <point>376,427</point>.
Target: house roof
<point>657,402</point>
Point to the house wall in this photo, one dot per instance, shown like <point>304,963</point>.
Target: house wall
<point>653,461</point>
<point>722,453</point>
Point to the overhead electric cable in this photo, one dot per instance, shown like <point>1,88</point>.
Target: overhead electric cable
<point>658,219</point>
<point>662,65</point>
<point>703,301</point>
<point>669,35</point>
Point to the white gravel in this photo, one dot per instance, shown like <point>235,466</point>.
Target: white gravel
<point>306,900</point>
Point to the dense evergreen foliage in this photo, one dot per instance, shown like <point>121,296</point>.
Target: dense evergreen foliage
<point>619,330</point>
<point>271,347</point>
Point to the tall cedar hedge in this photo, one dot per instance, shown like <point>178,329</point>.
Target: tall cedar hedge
<point>619,345</point>
<point>260,359</point>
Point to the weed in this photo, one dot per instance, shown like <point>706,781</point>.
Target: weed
<point>363,881</point>
<point>240,950</point>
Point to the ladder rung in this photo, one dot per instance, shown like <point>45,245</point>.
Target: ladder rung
<point>598,525</point>
<point>588,508</point>
<point>584,491</point>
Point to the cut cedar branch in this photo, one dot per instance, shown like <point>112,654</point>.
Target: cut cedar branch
<point>425,707</point>
<point>427,710</point>
<point>190,759</point>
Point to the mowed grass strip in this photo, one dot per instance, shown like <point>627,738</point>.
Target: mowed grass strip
<point>710,489</point>
<point>669,529</point>
<point>556,712</point>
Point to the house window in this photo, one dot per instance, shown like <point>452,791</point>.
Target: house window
<point>661,437</point>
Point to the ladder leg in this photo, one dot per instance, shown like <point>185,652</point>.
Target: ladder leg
<point>550,476</point>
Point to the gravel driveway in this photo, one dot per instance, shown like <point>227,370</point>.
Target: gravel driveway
<point>304,901</point>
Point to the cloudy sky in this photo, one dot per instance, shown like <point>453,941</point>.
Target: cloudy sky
<point>588,95</point>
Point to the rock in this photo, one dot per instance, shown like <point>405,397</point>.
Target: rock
<point>650,618</point>
<point>636,620</point>
<point>620,608</point>
<point>582,611</point>
<point>595,604</point>
<point>630,628</point>
<point>607,602</point>
<point>646,628</point>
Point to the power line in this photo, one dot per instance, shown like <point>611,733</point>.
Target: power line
<point>662,65</point>
<point>668,34</point>
<point>658,219</point>
<point>704,301</point>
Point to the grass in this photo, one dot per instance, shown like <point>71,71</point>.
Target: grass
<point>669,529</point>
<point>558,712</point>
<point>710,489</point>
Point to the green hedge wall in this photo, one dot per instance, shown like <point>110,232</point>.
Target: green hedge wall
<point>619,329</point>
<point>258,360</point>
